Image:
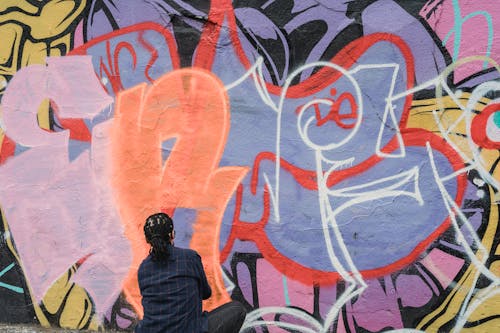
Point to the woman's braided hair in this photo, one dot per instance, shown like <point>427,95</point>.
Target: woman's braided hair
<point>158,230</point>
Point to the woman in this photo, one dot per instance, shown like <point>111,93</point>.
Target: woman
<point>173,284</point>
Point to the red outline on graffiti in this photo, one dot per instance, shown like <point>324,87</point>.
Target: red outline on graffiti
<point>334,113</point>
<point>152,51</point>
<point>141,27</point>
<point>77,127</point>
<point>78,130</point>
<point>205,52</point>
<point>222,9</point>
<point>255,231</point>
<point>7,150</point>
<point>478,127</point>
<point>114,72</point>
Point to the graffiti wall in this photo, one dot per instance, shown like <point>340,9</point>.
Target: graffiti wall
<point>335,163</point>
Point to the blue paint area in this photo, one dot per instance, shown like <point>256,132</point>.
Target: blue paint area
<point>129,74</point>
<point>76,148</point>
<point>372,231</point>
<point>184,219</point>
<point>375,232</point>
<point>124,70</point>
<point>20,149</point>
<point>166,148</point>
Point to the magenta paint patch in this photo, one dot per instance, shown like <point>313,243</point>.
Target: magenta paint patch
<point>271,291</point>
<point>377,307</point>
<point>78,37</point>
<point>413,291</point>
<point>470,26</point>
<point>301,295</point>
<point>444,266</point>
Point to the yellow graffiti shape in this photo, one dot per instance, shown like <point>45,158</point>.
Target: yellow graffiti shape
<point>32,31</point>
<point>480,312</point>
<point>446,117</point>
<point>69,304</point>
<point>44,23</point>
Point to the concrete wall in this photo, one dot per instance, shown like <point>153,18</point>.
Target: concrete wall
<point>335,163</point>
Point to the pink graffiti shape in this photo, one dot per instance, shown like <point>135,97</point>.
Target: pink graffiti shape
<point>60,211</point>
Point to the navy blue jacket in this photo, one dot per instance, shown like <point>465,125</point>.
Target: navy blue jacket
<point>172,291</point>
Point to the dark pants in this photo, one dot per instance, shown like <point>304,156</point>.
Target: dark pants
<point>227,318</point>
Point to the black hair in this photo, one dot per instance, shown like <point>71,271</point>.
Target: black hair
<point>158,231</point>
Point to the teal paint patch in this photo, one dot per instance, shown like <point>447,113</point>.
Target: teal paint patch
<point>8,286</point>
<point>285,291</point>
<point>11,287</point>
<point>496,118</point>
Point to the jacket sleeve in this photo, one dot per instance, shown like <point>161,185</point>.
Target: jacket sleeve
<point>205,289</point>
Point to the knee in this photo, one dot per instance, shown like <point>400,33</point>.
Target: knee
<point>240,311</point>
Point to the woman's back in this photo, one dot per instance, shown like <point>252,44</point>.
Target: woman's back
<point>172,291</point>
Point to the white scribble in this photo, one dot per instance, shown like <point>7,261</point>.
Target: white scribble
<point>388,186</point>
<point>478,259</point>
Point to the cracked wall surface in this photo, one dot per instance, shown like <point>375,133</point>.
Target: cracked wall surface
<point>334,163</point>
